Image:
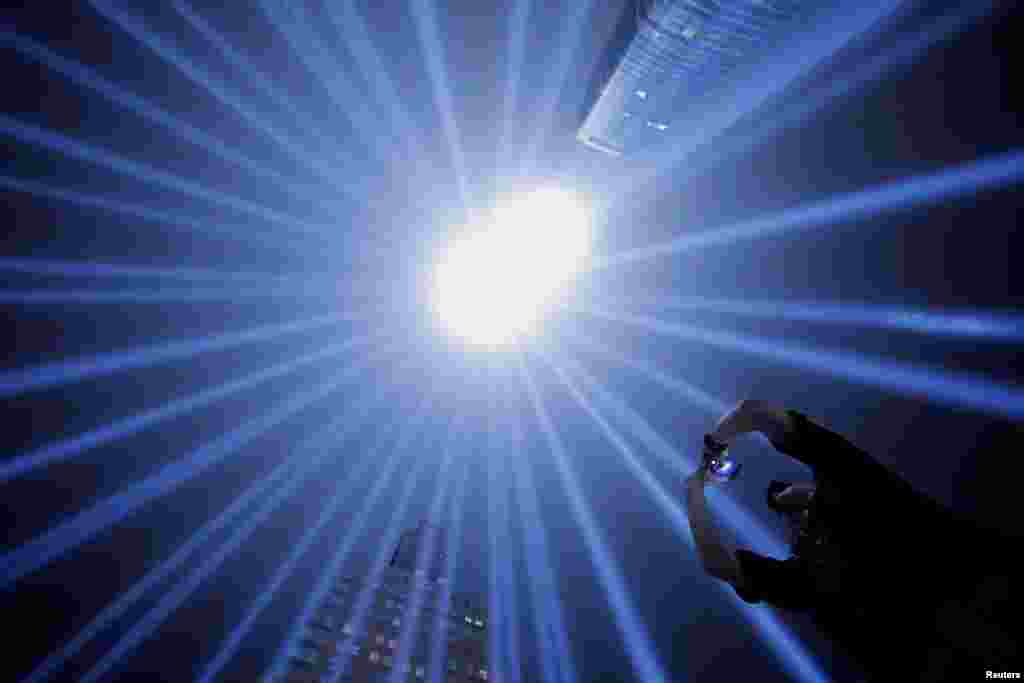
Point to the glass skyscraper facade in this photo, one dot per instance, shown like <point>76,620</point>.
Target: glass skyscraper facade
<point>679,53</point>
<point>444,632</point>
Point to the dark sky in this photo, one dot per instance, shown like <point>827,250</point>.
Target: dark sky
<point>373,232</point>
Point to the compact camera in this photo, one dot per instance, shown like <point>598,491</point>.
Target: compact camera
<point>717,464</point>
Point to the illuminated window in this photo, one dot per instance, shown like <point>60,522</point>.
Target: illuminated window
<point>642,94</point>
<point>420,672</point>
<point>392,643</point>
<point>468,620</point>
<point>479,622</point>
<point>396,622</point>
<point>483,674</point>
<point>374,656</point>
<point>347,629</point>
<point>380,639</point>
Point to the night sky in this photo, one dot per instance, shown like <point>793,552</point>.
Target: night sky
<point>334,238</point>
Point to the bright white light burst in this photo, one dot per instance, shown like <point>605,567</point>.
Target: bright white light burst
<point>497,281</point>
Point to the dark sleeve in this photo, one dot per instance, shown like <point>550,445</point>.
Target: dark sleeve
<point>780,583</point>
<point>829,455</point>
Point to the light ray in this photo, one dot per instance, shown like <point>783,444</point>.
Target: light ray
<point>638,642</point>
<point>387,542</point>
<point>171,296</point>
<point>166,218</point>
<point>349,24</point>
<point>99,156</point>
<point>681,387</point>
<point>283,474</point>
<point>557,663</point>
<point>169,54</point>
<point>568,43</point>
<point>515,49</point>
<point>291,21</point>
<point>49,375</point>
<point>498,604</point>
<point>254,76</point>
<point>353,531</point>
<point>972,324</point>
<point>329,512</point>
<point>793,655</point>
<point>310,456</point>
<point>67,449</point>
<point>424,557</point>
<point>425,15</point>
<point>946,185</point>
<point>958,390</point>
<point>439,637</point>
<point>81,527</point>
<point>86,78</point>
<point>90,269</point>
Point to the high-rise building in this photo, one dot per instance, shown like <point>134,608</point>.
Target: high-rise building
<point>404,600</point>
<point>672,54</point>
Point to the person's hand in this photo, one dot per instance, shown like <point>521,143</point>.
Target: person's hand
<point>699,478</point>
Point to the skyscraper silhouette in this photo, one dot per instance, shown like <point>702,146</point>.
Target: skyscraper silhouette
<point>409,602</point>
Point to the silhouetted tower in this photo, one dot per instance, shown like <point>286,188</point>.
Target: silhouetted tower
<point>667,55</point>
<point>463,658</point>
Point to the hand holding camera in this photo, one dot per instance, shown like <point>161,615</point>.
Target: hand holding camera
<point>717,465</point>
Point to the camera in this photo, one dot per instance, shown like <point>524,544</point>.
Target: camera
<point>717,464</point>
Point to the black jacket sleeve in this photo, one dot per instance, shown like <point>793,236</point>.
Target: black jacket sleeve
<point>830,456</point>
<point>778,582</point>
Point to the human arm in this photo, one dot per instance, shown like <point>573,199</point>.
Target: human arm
<point>753,416</point>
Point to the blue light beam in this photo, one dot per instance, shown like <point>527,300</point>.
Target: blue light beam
<point>557,663</point>
<point>116,206</point>
<point>349,24</point>
<point>500,595</point>
<point>439,637</point>
<point>292,22</point>
<point>87,78</point>
<point>638,642</point>
<point>178,60</point>
<point>81,527</point>
<point>285,476</point>
<point>67,449</point>
<point>89,269</point>
<point>49,375</point>
<point>944,387</point>
<point>254,76</point>
<point>33,135</point>
<point>425,15</point>
<point>970,324</point>
<point>32,297</point>
<point>946,185</point>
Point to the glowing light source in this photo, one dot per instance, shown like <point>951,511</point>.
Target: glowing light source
<point>495,282</point>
